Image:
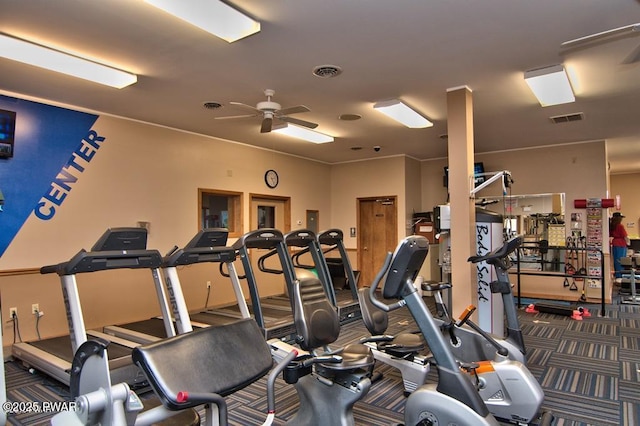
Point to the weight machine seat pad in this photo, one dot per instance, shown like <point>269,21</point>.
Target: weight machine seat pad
<point>217,359</point>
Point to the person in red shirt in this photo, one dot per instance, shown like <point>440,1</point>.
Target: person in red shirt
<point>619,241</point>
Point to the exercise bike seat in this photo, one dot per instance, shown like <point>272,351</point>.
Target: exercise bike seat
<point>376,320</point>
<point>435,286</point>
<point>212,360</point>
<point>318,325</point>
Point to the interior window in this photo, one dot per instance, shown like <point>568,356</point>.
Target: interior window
<point>220,209</point>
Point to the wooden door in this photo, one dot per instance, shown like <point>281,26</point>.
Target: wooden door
<point>377,220</point>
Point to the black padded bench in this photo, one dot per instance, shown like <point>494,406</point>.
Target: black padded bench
<point>204,366</point>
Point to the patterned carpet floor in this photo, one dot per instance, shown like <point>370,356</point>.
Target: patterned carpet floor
<point>589,370</point>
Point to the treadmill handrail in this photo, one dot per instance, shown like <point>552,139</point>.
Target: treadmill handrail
<point>85,261</point>
<point>261,238</point>
<point>330,236</point>
<point>301,238</point>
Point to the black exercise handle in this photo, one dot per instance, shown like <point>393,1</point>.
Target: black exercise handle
<point>296,259</point>
<point>50,269</point>
<point>374,285</point>
<point>173,250</point>
<point>226,274</point>
<point>264,257</point>
<point>495,256</point>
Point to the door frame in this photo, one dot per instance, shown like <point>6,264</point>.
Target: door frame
<point>360,243</point>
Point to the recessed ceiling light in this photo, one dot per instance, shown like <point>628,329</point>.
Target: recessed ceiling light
<point>327,71</point>
<point>212,105</point>
<point>349,117</point>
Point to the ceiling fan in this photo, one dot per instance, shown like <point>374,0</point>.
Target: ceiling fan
<point>605,36</point>
<point>269,111</point>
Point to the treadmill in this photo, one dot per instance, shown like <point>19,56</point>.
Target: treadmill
<point>345,284</point>
<point>273,314</point>
<point>207,246</point>
<point>117,248</point>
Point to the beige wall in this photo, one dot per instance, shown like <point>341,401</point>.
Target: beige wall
<point>360,179</point>
<point>578,170</point>
<point>149,173</point>
<point>627,186</point>
<point>413,194</point>
<point>145,173</point>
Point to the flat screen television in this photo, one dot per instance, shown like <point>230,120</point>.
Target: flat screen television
<point>7,133</point>
<point>478,170</point>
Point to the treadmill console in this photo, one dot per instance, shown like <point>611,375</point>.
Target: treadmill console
<point>210,237</point>
<point>118,239</point>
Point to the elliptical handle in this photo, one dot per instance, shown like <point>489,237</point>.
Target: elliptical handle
<point>374,285</point>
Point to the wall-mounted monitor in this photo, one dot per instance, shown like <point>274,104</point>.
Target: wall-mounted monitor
<point>478,170</point>
<point>7,133</point>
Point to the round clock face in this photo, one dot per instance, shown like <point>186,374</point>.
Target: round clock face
<point>271,178</point>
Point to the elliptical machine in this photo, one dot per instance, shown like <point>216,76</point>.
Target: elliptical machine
<point>458,397</point>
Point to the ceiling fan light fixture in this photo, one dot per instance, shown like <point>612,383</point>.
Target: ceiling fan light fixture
<point>550,85</point>
<point>55,60</point>
<point>213,16</point>
<point>403,114</point>
<point>302,133</point>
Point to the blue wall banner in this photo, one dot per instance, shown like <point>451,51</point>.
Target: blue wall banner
<point>51,148</point>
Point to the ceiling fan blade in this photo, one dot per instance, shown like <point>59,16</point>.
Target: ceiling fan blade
<point>241,105</point>
<point>293,110</point>
<point>632,57</point>
<point>266,125</point>
<point>228,117</point>
<point>299,122</point>
<point>628,29</point>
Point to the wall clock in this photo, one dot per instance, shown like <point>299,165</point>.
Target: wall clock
<point>271,178</point>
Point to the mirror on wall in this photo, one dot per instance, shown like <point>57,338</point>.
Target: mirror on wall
<point>529,214</point>
<point>541,219</point>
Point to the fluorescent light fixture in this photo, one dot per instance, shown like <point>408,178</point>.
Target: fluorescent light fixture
<point>302,133</point>
<point>213,16</point>
<point>402,114</point>
<point>55,60</point>
<point>550,85</point>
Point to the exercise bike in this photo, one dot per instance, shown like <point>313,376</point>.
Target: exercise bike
<point>468,341</point>
<point>485,390</point>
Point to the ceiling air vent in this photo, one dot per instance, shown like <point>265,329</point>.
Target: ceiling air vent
<point>327,71</point>
<point>578,116</point>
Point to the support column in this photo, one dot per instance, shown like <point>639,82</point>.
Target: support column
<point>463,221</point>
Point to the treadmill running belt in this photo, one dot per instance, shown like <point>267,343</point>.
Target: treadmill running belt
<point>153,327</point>
<point>61,347</point>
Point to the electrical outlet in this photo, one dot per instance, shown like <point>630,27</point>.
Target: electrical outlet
<point>13,312</point>
<point>35,308</point>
